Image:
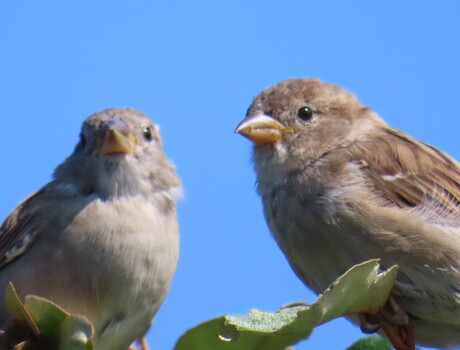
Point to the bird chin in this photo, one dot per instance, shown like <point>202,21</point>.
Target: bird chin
<point>114,161</point>
<point>115,155</point>
<point>115,158</point>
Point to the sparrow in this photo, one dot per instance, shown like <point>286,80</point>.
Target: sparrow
<point>101,239</point>
<point>339,187</point>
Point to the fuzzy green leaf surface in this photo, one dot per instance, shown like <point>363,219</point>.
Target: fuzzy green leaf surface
<point>362,288</point>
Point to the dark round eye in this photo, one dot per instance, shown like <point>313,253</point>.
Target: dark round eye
<point>305,113</point>
<point>148,134</point>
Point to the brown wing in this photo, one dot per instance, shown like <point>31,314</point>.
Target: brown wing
<point>18,232</point>
<point>409,173</point>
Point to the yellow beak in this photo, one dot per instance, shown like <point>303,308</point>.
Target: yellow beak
<point>115,141</point>
<point>262,129</point>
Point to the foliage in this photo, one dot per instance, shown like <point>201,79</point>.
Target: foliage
<point>362,288</point>
<point>374,342</point>
<point>38,324</point>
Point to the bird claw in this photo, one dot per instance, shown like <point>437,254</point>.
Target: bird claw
<point>394,321</point>
<point>369,323</point>
<point>394,313</point>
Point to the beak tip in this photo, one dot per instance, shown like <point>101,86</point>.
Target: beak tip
<point>116,142</point>
<point>261,129</point>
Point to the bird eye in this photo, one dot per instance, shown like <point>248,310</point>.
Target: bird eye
<point>148,134</point>
<point>305,113</point>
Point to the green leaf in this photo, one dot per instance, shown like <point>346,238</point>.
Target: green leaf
<point>76,334</point>
<point>16,309</point>
<point>362,288</point>
<point>47,316</point>
<point>53,327</point>
<point>374,342</point>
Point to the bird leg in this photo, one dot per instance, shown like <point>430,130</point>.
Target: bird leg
<point>402,337</point>
<point>142,344</point>
<point>394,313</point>
<point>394,321</point>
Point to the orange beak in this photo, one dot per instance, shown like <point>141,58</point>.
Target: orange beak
<point>262,129</point>
<point>116,141</point>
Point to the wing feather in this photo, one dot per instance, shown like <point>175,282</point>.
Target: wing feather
<point>409,173</point>
<point>18,232</point>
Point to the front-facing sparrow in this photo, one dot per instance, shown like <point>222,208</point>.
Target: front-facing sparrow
<point>101,239</point>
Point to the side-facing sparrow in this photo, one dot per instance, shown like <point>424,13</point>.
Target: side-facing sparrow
<point>101,239</point>
<point>339,186</point>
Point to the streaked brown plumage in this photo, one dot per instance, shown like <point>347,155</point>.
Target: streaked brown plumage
<point>340,186</point>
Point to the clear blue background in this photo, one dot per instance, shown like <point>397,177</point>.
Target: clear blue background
<point>193,67</point>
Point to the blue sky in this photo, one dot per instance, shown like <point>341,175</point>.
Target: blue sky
<point>193,67</point>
